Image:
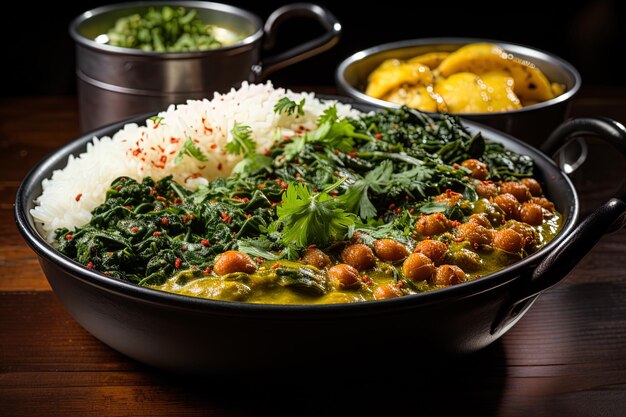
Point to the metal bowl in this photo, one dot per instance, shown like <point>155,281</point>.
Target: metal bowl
<point>532,124</point>
<point>188,334</point>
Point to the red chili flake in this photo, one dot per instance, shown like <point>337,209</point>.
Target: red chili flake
<point>191,216</point>
<point>157,233</point>
<point>412,210</point>
<point>136,151</point>
<point>174,140</point>
<point>476,276</point>
<point>219,166</point>
<point>455,165</point>
<point>134,229</point>
<point>119,187</point>
<point>128,207</point>
<point>164,220</point>
<point>207,271</point>
<point>89,265</point>
<point>177,263</point>
<point>178,201</point>
<point>205,242</point>
<point>400,284</point>
<point>267,152</point>
<point>312,245</point>
<point>274,204</point>
<point>78,196</point>
<point>395,126</point>
<point>258,259</point>
<point>275,266</point>
<point>378,135</point>
<point>458,239</point>
<point>475,245</point>
<point>163,159</point>
<point>455,223</point>
<point>160,198</point>
<point>152,192</point>
<point>184,248</point>
<point>398,211</point>
<point>248,215</point>
<point>224,216</point>
<point>213,146</point>
<point>261,186</point>
<point>336,152</point>
<point>106,273</point>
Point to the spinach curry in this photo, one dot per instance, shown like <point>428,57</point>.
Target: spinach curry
<point>381,206</point>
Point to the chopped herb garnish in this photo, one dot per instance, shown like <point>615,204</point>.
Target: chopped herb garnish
<point>190,149</point>
<point>287,106</point>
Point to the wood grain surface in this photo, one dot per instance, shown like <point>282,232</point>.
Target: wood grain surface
<point>566,357</point>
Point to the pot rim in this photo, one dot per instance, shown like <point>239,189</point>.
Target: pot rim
<point>196,4</point>
<point>44,250</point>
<point>528,50</point>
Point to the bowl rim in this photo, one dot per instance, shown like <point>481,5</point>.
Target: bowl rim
<point>195,4</point>
<point>44,168</point>
<point>344,85</point>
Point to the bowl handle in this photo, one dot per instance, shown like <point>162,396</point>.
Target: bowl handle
<point>301,52</point>
<point>609,217</point>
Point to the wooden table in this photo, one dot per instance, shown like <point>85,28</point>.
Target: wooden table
<point>566,357</point>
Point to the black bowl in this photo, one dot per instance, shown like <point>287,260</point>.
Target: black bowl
<point>187,334</point>
<point>532,124</point>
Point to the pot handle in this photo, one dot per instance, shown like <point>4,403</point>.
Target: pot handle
<point>301,52</point>
<point>609,217</point>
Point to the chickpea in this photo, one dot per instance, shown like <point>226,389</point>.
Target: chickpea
<point>434,249</point>
<point>480,219</point>
<point>533,186</point>
<point>517,189</point>
<point>418,267</point>
<point>509,204</point>
<point>479,169</point>
<point>233,261</point>
<point>528,233</point>
<point>344,276</point>
<point>387,291</point>
<point>475,233</point>
<point>465,259</point>
<point>432,224</point>
<point>449,275</point>
<point>449,197</point>
<point>531,213</point>
<point>359,256</point>
<point>390,250</point>
<point>486,189</point>
<point>508,240</point>
<point>545,203</point>
<point>315,257</point>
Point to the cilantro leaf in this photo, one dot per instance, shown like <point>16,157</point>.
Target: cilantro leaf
<point>288,106</point>
<point>191,149</point>
<point>312,218</point>
<point>158,120</point>
<point>242,142</point>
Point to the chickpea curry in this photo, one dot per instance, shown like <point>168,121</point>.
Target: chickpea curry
<point>375,207</point>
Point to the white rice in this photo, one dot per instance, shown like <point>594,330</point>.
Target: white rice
<point>73,192</point>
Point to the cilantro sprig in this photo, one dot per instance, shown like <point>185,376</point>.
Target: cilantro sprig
<point>287,106</point>
<point>190,149</point>
<point>313,218</point>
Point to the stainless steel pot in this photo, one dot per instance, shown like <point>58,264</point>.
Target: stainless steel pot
<point>115,83</point>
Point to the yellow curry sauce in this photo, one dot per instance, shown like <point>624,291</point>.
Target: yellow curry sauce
<point>262,287</point>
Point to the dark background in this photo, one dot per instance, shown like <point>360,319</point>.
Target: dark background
<point>590,34</point>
